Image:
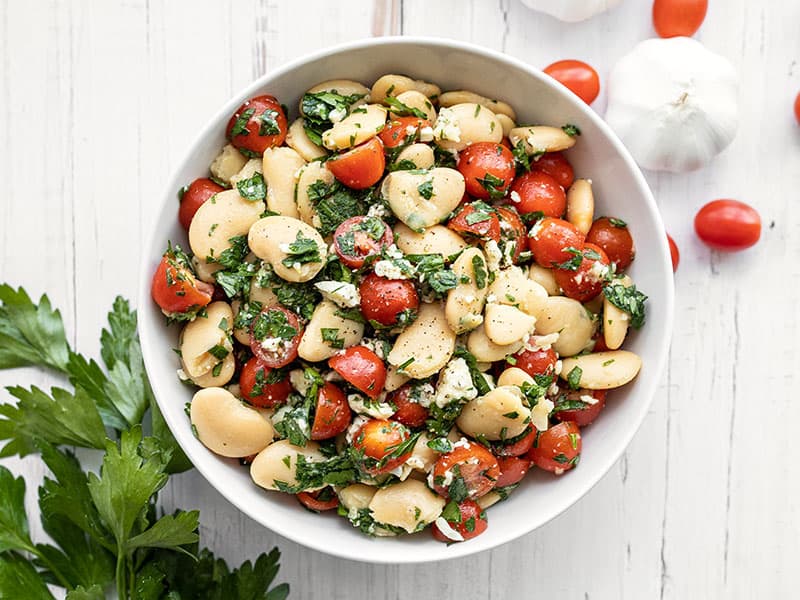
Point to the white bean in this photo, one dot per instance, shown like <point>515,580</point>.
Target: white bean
<point>422,199</point>
<point>465,301</point>
<point>463,124</point>
<point>362,124</point>
<point>545,278</point>
<point>488,500</point>
<point>425,346</point>
<point>506,122</point>
<point>420,154</point>
<point>356,496</point>
<point>343,87</point>
<point>204,335</point>
<point>280,165</point>
<point>514,376</point>
<point>498,107</point>
<point>394,379</point>
<point>271,239</point>
<point>615,320</point>
<point>227,163</point>
<point>205,270</point>
<point>297,139</point>
<point>569,319</point>
<point>250,168</point>
<point>512,287</point>
<point>500,414</point>
<point>418,100</point>
<point>313,173</point>
<point>226,426</point>
<point>485,350</point>
<point>219,375</point>
<point>433,240</point>
<point>541,138</point>
<point>580,205</point>
<point>278,463</point>
<point>603,370</point>
<point>220,218</point>
<point>507,324</point>
<point>312,345</point>
<point>394,85</point>
<point>409,504</point>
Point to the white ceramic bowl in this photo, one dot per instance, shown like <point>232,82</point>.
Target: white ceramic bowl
<point>620,190</point>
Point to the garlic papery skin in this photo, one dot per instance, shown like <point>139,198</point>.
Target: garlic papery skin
<point>674,104</point>
<point>572,11</point>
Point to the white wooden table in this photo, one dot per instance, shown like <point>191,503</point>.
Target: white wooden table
<point>99,101</point>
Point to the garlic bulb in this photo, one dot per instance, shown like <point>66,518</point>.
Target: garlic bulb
<point>571,11</point>
<point>673,103</point>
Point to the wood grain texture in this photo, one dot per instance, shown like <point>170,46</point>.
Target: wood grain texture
<point>99,101</point>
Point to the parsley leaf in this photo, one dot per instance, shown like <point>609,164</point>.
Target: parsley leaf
<point>334,204</point>
<point>571,130</point>
<point>425,189</point>
<point>493,185</point>
<point>403,110</point>
<point>629,299</point>
<point>479,270</point>
<point>301,251</point>
<point>14,534</point>
<point>521,157</point>
<point>240,125</point>
<point>18,579</point>
<point>574,378</point>
<point>253,189</point>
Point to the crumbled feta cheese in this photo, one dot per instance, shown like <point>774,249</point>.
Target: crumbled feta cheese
<point>394,252</point>
<point>493,255</point>
<point>272,344</point>
<point>411,130</point>
<point>491,299</point>
<point>598,272</point>
<point>455,383</point>
<point>509,248</point>
<point>541,342</point>
<point>447,479</point>
<point>332,376</point>
<point>354,427</point>
<point>376,345</point>
<point>366,406</point>
<point>343,294</point>
<point>447,531</point>
<point>537,227</point>
<point>415,462</point>
<point>589,399</point>
<point>182,375</point>
<point>559,471</point>
<point>446,126</point>
<point>337,114</point>
<point>378,210</point>
<point>462,443</point>
<point>515,197</point>
<point>426,134</point>
<point>299,382</point>
<point>540,414</point>
<point>532,144</point>
<point>388,269</point>
<point>559,367</point>
<point>285,248</point>
<point>553,390</point>
<point>422,394</point>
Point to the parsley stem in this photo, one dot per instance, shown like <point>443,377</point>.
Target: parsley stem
<point>62,581</point>
<point>122,592</point>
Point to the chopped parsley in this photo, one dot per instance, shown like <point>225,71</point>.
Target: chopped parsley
<point>574,377</point>
<point>301,251</point>
<point>628,299</point>
<point>317,109</point>
<point>403,110</point>
<point>425,189</point>
<point>571,130</point>
<point>273,323</point>
<point>269,123</point>
<point>480,212</point>
<point>493,185</point>
<point>240,125</point>
<point>330,335</point>
<point>479,270</point>
<point>252,189</point>
<point>521,157</point>
<point>334,204</point>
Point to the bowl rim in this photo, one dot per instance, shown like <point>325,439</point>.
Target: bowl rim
<point>665,317</point>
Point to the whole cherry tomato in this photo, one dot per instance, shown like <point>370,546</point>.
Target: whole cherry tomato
<point>361,368</point>
<point>554,242</point>
<point>537,191</point>
<point>194,197</point>
<point>401,131</point>
<point>332,415</point>
<point>576,75</point>
<point>381,445</point>
<point>613,237</point>
<point>325,499</point>
<point>467,471</point>
<point>674,253</point>
<point>558,449</point>
<point>573,406</point>
<point>585,282</point>
<point>360,167</point>
<point>386,300</point>
<point>558,167</point>
<point>728,225</point>
<point>512,229</point>
<point>512,470</point>
<point>488,169</point>
<point>469,523</point>
<point>359,237</point>
<point>258,124</point>
<point>275,335</point>
<point>536,362</point>
<point>175,288</point>
<point>409,412</point>
<point>477,219</point>
<point>260,386</point>
<point>673,18</point>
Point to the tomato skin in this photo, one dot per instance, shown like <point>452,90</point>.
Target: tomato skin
<point>270,394</point>
<point>512,229</point>
<point>517,448</point>
<point>487,229</point>
<point>674,253</point>
<point>549,240</point>
<point>470,513</point>
<point>558,167</point>
<point>562,442</point>
<point>797,108</point>
<point>512,470</point>
<point>360,167</point>
<point>476,466</point>
<point>399,128</point>
<point>582,285</point>
<point>363,245</point>
<point>615,240</point>
<point>250,140</point>
<point>728,225</point>
<point>480,159</point>
<point>332,414</point>
<point>537,362</point>
<point>377,439</point>
<point>361,368</point>
<point>539,192</point>
<point>312,501</point>
<point>175,288</point>
<point>673,18</point>
<point>586,415</point>
<point>194,197</point>
<point>286,351</point>
<point>411,414</point>
<point>578,76</point>
<point>383,300</point>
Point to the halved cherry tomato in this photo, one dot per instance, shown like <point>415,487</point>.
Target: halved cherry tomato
<point>520,446</point>
<point>257,387</point>
<point>537,362</point>
<point>361,368</point>
<point>558,449</point>
<point>558,167</point>
<point>332,414</point>
<point>471,522</point>
<point>400,131</point>
<point>478,220</point>
<point>175,288</point>
<point>673,18</point>
<point>613,237</point>
<point>258,124</point>
<point>554,241</point>
<point>194,197</point>
<point>468,470</point>
<point>359,237</point>
<point>381,443</point>
<point>797,108</point>
<point>537,191</point>
<point>600,343</point>
<point>322,500</point>
<point>573,408</point>
<point>576,75</point>
<point>360,167</point>
<point>728,225</point>
<point>274,336</point>
<point>585,282</point>
<point>512,470</point>
<point>512,229</point>
<point>674,253</point>
<point>385,300</point>
<point>409,413</point>
<point>488,169</point>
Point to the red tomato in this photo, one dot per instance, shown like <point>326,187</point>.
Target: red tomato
<point>361,368</point>
<point>478,220</point>
<point>332,414</point>
<point>359,237</point>
<point>558,167</point>
<point>537,362</point>
<point>256,388</point>
<point>674,253</point>
<point>673,18</point>
<point>582,413</point>
<point>613,237</point>
<point>576,75</point>
<point>274,336</point>
<point>471,522</point>
<point>512,229</point>
<point>488,169</point>
<point>258,124</point>
<point>558,449</point>
<point>600,343</point>
<point>193,198</point>
<point>409,413</point>
<point>797,108</point>
<point>400,131</point>
<point>512,470</point>
<point>380,441</point>
<point>586,282</point>
<point>319,501</point>
<point>175,288</point>
<point>538,192</point>
<point>386,300</point>
<point>360,167</point>
<point>728,225</point>
<point>554,241</point>
<point>523,443</point>
<point>469,469</point>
